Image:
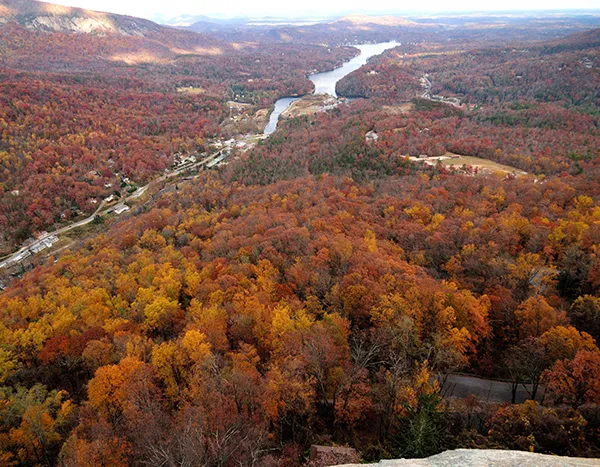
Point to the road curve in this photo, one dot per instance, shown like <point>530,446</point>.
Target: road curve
<point>462,386</point>
<point>19,255</point>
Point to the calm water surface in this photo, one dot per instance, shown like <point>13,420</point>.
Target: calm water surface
<point>280,106</point>
<point>325,82</point>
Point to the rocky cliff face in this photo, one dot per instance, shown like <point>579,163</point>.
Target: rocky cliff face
<point>48,17</point>
<point>486,458</point>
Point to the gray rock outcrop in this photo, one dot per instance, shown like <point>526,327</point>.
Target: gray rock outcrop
<point>486,458</point>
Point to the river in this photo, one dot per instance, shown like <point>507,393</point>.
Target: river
<point>325,82</point>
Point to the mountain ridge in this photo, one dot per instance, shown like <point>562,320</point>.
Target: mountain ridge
<point>48,17</point>
<point>360,20</point>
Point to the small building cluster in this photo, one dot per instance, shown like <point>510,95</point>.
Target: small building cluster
<point>44,243</point>
<point>180,160</point>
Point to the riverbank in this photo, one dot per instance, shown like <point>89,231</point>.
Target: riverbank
<point>325,82</point>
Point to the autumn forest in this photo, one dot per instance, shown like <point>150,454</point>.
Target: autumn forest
<point>345,281</point>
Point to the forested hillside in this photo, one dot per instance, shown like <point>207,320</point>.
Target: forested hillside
<point>562,71</point>
<point>320,287</point>
<point>120,106</point>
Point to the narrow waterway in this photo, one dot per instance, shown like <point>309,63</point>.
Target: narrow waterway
<point>280,106</point>
<point>325,82</point>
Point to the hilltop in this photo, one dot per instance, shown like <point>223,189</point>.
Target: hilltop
<point>49,17</point>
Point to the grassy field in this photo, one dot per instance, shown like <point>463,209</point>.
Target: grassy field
<point>484,164</point>
<point>398,109</point>
<point>191,90</point>
<point>308,105</point>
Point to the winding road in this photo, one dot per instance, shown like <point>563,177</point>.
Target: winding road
<point>426,83</point>
<point>26,251</point>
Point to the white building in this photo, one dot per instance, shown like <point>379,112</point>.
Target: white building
<point>121,209</point>
<point>371,136</point>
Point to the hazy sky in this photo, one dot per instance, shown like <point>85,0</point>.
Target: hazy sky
<point>316,8</point>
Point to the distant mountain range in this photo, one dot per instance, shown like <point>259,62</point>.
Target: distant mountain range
<point>357,20</point>
<point>175,36</point>
<point>187,20</point>
<point>211,25</point>
<point>43,16</point>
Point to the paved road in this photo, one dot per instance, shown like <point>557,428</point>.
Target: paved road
<point>485,389</point>
<point>26,251</point>
<point>426,83</point>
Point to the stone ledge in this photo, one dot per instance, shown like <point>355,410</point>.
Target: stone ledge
<point>486,458</point>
